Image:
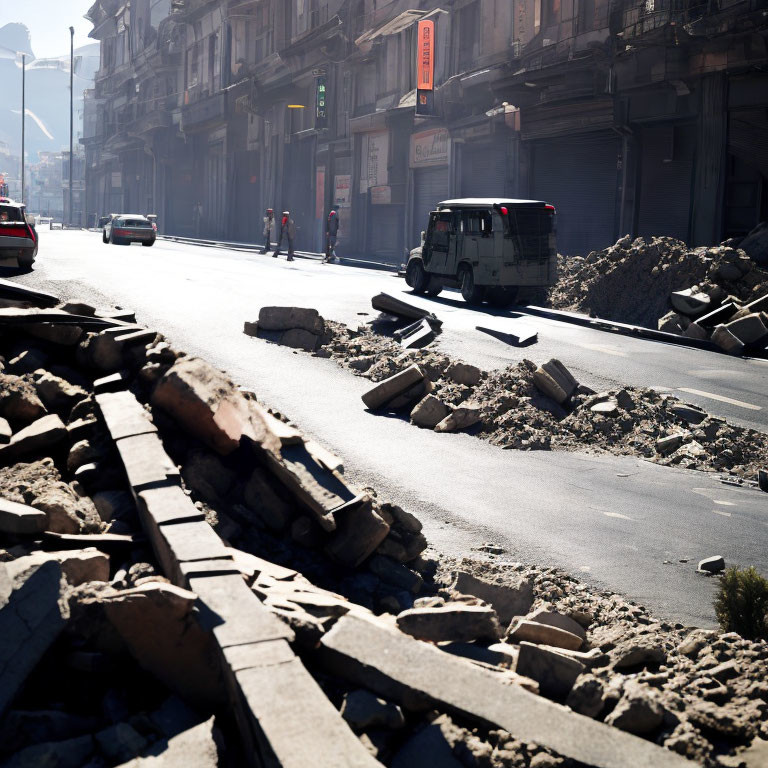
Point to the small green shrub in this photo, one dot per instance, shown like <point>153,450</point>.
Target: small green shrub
<point>741,603</point>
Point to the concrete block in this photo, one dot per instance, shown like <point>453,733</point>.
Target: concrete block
<point>195,746</point>
<point>390,388</point>
<point>31,618</point>
<point>695,331</point>
<point>543,634</point>
<point>429,412</point>
<point>457,622</point>
<point>288,318</point>
<point>78,566</point>
<point>146,462</point>
<point>689,303</point>
<point>359,531</point>
<point>36,439</point>
<point>420,676</point>
<point>508,600</point>
<point>716,316</point>
<point>124,415</point>
<point>555,381</point>
<point>462,417</point>
<point>555,673</point>
<point>749,329</point>
<point>727,341</point>
<point>20,520</point>
<point>298,338</point>
<point>390,305</point>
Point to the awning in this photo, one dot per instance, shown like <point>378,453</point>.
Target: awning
<point>392,27</point>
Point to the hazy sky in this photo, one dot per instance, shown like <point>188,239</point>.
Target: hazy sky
<point>49,22</point>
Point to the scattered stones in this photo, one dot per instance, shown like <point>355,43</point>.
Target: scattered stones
<point>429,412</point>
<point>555,381</point>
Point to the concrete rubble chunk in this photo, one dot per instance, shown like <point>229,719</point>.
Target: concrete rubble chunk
<point>359,531</point>
<point>695,331</point>
<point>195,746</point>
<point>394,573</point>
<point>124,415</point>
<point>554,672</point>
<point>390,388</point>
<point>727,341</point>
<point>749,329</point>
<point>429,412</point>
<point>452,622</point>
<point>690,303</point>
<point>208,405</point>
<point>418,335</point>
<point>559,620</point>
<point>463,417</point>
<point>587,696</point>
<point>5,431</point>
<point>543,634</point>
<point>720,315</point>
<point>289,318</point>
<point>361,709</point>
<point>31,617</point>
<point>419,676</point>
<point>508,600</point>
<point>19,519</point>
<point>390,305</point>
<point>251,328</point>
<point>298,338</point>
<point>39,437</point>
<point>464,373</point>
<point>689,413</point>
<point>713,564</point>
<point>158,624</point>
<point>555,381</point>
<point>324,457</point>
<point>146,462</point>
<point>670,443</point>
<point>78,566</point>
<point>639,710</point>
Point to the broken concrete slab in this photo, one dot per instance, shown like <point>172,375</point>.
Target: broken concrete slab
<point>429,412</point>
<point>146,462</point>
<point>690,303</point>
<point>717,316</point>
<point>452,622</point>
<point>298,338</point>
<point>324,457</point>
<point>555,673</point>
<point>464,373</point>
<point>361,709</point>
<point>390,305</point>
<point>555,381</point>
<point>194,746</point>
<point>11,289</point>
<point>419,335</point>
<point>19,519</point>
<point>419,676</point>
<point>208,405</point>
<point>38,438</point>
<point>727,341</point>
<point>124,415</point>
<point>78,566</point>
<point>559,620</point>
<point>515,336</point>
<point>695,331</point>
<point>749,329</point>
<point>543,634</point>
<point>395,573</point>
<point>288,318</point>
<point>31,617</point>
<point>508,600</point>
<point>390,388</point>
<point>359,531</point>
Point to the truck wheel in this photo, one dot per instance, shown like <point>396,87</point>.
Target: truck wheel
<point>472,294</point>
<point>415,276</point>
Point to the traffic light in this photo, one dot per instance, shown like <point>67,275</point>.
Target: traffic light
<point>321,106</point>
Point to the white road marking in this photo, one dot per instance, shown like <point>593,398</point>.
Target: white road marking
<point>604,348</point>
<point>720,512</point>
<point>721,398</point>
<point>617,514</point>
<point>723,503</point>
<point>584,568</point>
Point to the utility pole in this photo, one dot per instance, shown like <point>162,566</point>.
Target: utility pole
<point>23,115</point>
<point>71,112</point>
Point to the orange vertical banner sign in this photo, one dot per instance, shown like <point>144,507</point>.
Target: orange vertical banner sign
<point>425,80</point>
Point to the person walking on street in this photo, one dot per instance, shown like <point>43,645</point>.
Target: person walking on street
<point>287,231</point>
<point>269,230</point>
<point>331,232</point>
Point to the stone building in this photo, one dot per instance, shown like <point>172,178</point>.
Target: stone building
<point>642,117</point>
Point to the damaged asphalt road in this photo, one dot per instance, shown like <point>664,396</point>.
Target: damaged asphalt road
<point>614,520</point>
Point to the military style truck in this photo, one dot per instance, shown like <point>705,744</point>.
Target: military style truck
<point>493,250</point>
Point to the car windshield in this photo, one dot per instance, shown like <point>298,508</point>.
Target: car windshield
<point>10,213</point>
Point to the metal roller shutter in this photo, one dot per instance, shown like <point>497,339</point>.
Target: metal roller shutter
<point>666,172</point>
<point>431,185</point>
<point>384,228</point>
<point>483,171</point>
<point>578,175</point>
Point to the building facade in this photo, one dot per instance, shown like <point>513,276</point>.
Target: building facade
<point>641,117</point>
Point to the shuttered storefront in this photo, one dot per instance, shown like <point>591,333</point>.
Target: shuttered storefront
<point>484,170</point>
<point>298,189</point>
<point>385,225</point>
<point>430,186</point>
<point>579,176</point>
<point>666,174</point>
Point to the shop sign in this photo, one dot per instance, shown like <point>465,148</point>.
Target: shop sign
<point>430,148</point>
<point>342,190</point>
<point>381,195</point>
<point>375,157</point>
<point>426,56</point>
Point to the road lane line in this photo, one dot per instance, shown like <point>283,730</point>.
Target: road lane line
<point>721,398</point>
<point>723,503</point>
<point>604,348</point>
<point>720,512</point>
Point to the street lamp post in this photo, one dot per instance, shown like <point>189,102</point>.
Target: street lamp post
<point>71,112</point>
<point>23,116</point>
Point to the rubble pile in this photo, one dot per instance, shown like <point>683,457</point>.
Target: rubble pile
<point>518,408</point>
<point>634,281</point>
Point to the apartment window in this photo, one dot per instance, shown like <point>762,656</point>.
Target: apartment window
<point>213,41</point>
<point>586,15</point>
<point>469,35</point>
<point>366,85</point>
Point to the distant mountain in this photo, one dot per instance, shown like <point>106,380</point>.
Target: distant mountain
<point>47,81</point>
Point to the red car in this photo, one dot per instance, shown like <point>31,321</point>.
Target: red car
<point>18,238</point>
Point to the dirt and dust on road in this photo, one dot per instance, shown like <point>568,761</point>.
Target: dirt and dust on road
<point>716,292</point>
<point>518,408</point>
<point>183,572</point>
